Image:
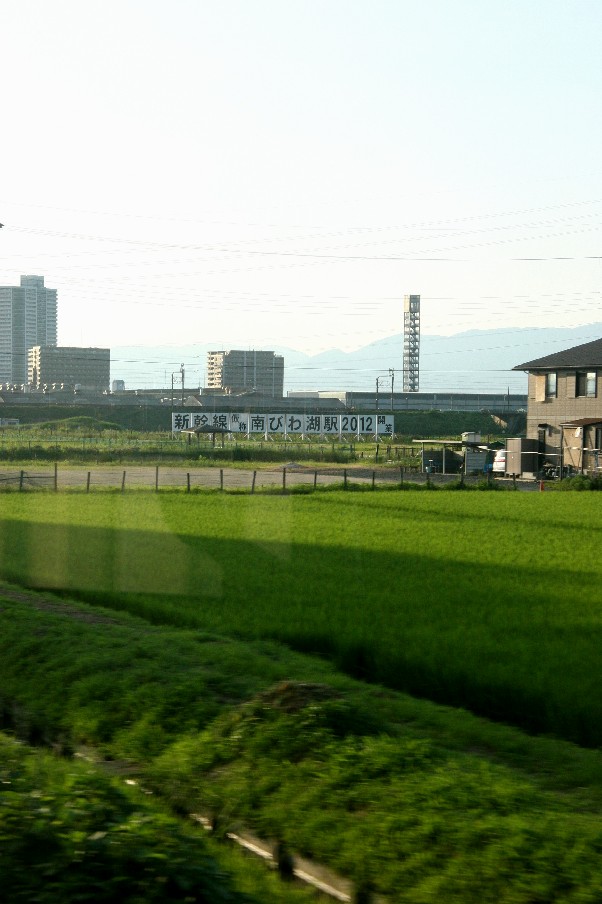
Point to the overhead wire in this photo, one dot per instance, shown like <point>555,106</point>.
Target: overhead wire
<point>143,296</point>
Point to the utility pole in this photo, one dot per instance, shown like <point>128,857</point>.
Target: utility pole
<point>377,379</point>
<point>182,373</point>
<point>392,375</point>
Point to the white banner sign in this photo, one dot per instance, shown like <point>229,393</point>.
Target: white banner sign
<point>249,422</point>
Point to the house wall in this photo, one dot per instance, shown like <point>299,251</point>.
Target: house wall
<point>565,406</point>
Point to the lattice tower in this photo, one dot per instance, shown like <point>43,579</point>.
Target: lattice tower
<point>411,343</point>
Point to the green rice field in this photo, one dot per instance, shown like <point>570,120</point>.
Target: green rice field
<point>488,601</point>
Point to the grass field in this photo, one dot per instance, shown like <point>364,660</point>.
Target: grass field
<point>487,601</point>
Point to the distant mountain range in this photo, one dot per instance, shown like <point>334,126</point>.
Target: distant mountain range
<point>474,361</point>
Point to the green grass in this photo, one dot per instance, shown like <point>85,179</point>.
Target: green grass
<point>428,803</point>
<point>68,832</point>
<point>430,823</point>
<point>487,601</point>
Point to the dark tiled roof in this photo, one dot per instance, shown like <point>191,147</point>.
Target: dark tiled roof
<point>587,355</point>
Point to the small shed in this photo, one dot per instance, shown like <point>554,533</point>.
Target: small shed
<point>581,445</point>
<point>205,430</point>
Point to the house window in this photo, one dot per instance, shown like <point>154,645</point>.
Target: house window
<point>551,385</point>
<point>586,383</point>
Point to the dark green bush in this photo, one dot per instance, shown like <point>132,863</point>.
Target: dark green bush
<point>580,482</point>
<point>68,833</point>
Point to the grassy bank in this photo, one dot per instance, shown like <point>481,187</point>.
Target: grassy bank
<point>68,832</point>
<point>425,803</point>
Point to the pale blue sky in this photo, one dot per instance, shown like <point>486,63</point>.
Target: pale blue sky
<point>281,173</point>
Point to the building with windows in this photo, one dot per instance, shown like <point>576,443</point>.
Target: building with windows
<point>564,407</point>
<point>69,367</point>
<point>245,371</point>
<point>28,317</point>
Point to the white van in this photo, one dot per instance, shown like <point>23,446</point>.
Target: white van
<point>499,462</point>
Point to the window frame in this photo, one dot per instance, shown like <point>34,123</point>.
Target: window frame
<point>551,384</point>
<point>586,384</point>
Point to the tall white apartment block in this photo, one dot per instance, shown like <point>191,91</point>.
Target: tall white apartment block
<point>28,317</point>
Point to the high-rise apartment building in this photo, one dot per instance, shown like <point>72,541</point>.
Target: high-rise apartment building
<point>236,371</point>
<point>28,317</point>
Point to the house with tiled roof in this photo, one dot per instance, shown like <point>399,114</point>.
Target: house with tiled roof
<point>564,407</point>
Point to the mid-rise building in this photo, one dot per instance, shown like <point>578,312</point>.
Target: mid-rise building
<point>83,368</point>
<point>28,317</point>
<point>239,371</point>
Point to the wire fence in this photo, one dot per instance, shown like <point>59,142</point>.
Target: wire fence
<point>24,480</point>
<point>285,479</point>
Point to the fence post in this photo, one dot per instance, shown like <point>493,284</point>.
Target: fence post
<point>188,481</point>
<point>253,482</point>
<point>123,483</point>
<point>56,476</point>
<point>362,893</point>
<point>285,863</point>
<point>373,478</point>
<point>22,475</point>
<point>157,479</point>
<point>221,478</point>
<point>88,483</point>
<point>284,480</point>
<point>315,478</point>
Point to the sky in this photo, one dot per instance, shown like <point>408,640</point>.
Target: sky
<point>280,173</point>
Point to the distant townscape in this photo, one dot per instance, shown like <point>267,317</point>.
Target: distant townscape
<point>244,390</point>
<point>34,365</point>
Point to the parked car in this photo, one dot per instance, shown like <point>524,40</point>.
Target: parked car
<point>499,462</point>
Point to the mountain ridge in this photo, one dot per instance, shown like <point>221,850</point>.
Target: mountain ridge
<point>471,361</point>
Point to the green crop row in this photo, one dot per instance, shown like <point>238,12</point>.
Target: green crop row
<point>484,600</point>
